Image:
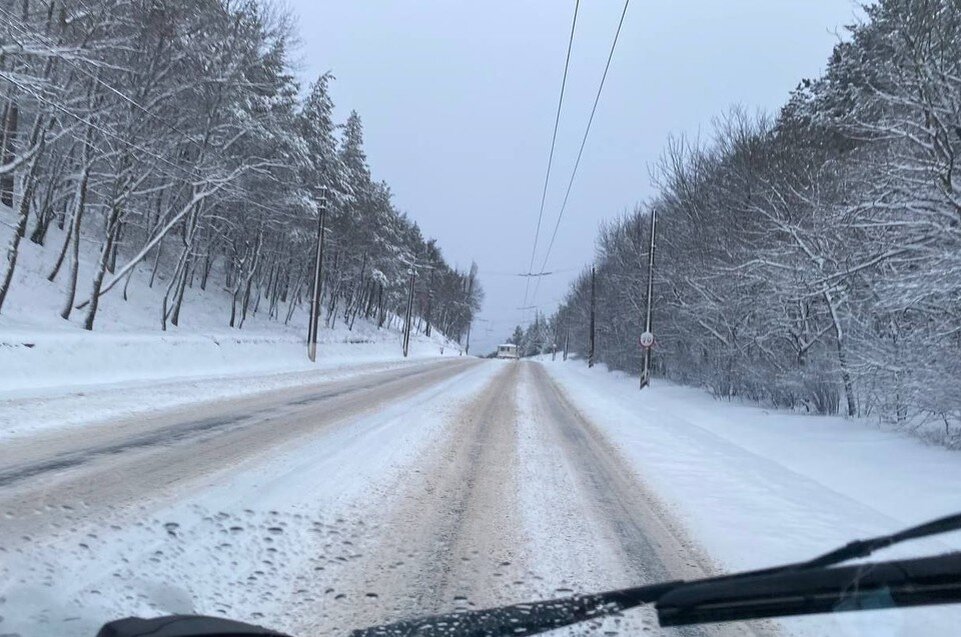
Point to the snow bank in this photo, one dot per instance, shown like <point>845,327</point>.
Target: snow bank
<point>758,487</point>
<point>42,354</point>
<point>44,362</point>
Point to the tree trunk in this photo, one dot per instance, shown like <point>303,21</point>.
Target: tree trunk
<point>205,273</point>
<point>294,298</point>
<point>14,246</point>
<point>233,308</point>
<point>7,151</point>
<point>171,287</point>
<point>156,262</point>
<point>246,303</point>
<point>63,253</point>
<point>29,183</point>
<point>75,225</point>
<point>113,226</point>
<point>39,233</point>
<point>112,260</point>
<point>179,294</point>
<point>381,310</point>
<point>190,228</point>
<point>842,356</point>
<point>127,283</point>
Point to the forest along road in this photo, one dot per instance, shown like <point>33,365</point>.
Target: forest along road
<point>109,465</point>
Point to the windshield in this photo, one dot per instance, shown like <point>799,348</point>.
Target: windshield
<point>330,315</point>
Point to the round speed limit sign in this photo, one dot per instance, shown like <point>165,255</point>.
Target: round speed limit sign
<point>647,339</point>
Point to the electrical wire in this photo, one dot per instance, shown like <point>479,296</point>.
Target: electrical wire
<point>580,152</point>
<point>550,158</point>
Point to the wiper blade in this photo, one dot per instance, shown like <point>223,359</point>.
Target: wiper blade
<point>872,586</point>
<point>858,548</point>
<point>799,588</point>
<point>919,582</point>
<point>523,619</point>
<point>864,548</point>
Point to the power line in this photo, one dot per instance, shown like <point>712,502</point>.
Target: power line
<point>535,274</point>
<point>550,158</point>
<point>587,132</point>
<point>527,274</point>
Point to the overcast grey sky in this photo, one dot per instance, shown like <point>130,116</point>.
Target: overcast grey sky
<point>458,100</point>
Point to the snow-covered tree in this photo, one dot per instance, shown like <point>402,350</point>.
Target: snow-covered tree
<point>171,135</point>
<point>810,260</point>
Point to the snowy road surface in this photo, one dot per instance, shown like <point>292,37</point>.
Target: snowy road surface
<point>436,486</point>
<point>119,463</point>
<point>334,505</point>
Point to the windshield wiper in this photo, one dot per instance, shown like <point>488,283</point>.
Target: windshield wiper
<point>815,586</point>
<point>793,589</point>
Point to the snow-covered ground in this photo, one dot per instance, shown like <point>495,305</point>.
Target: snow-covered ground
<point>483,484</point>
<point>477,489</point>
<point>273,541</point>
<point>54,373</point>
<point>758,487</point>
<point>48,362</point>
<point>38,412</point>
<point>278,536</point>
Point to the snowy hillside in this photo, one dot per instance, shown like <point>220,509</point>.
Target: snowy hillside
<point>41,351</point>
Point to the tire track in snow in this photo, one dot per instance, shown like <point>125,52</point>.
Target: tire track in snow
<point>519,499</point>
<point>451,538</point>
<point>593,523</point>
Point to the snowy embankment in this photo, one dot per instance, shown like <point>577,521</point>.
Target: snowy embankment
<point>44,362</point>
<point>54,372</point>
<point>759,487</point>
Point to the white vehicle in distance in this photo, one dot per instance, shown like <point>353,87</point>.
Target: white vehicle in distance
<point>507,350</point>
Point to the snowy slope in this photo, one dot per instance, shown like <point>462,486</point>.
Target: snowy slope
<point>758,487</point>
<point>42,353</point>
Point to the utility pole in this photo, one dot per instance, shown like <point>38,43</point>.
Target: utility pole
<point>318,271</point>
<point>470,291</point>
<point>430,301</point>
<point>410,307</point>
<point>590,355</point>
<point>554,342</point>
<point>567,339</point>
<point>647,338</point>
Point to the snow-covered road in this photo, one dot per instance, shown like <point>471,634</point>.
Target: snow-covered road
<point>166,453</point>
<point>325,506</point>
<point>322,507</point>
<point>218,508</point>
<point>517,499</point>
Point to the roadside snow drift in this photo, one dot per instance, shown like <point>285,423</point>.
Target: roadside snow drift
<point>758,487</point>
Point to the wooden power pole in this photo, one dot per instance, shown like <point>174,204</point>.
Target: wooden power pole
<point>314,318</point>
<point>590,355</point>
<point>410,308</point>
<point>470,291</point>
<point>647,338</point>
